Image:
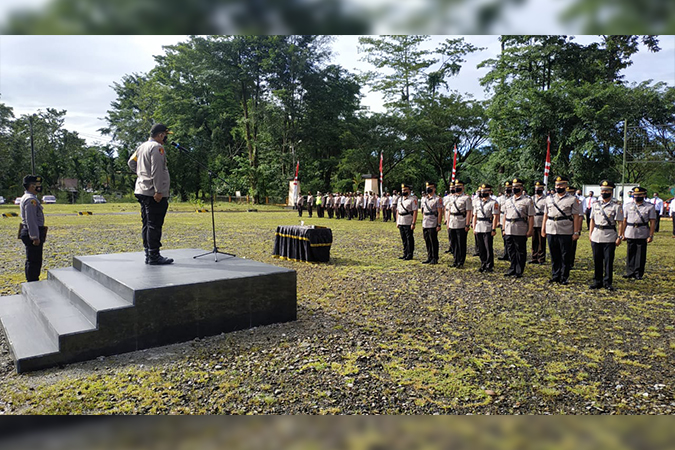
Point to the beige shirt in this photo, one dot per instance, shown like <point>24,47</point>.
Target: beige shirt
<point>484,212</point>
<point>431,210</point>
<point>457,210</point>
<point>539,203</point>
<point>405,209</point>
<point>149,163</point>
<point>636,227</point>
<point>32,216</point>
<point>516,212</point>
<point>501,200</point>
<point>614,213</point>
<point>561,223</point>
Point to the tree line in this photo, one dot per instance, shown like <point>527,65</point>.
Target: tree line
<point>251,106</point>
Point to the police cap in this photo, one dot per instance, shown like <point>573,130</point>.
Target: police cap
<point>517,181</point>
<point>30,179</point>
<point>159,128</point>
<point>561,179</point>
<point>639,190</point>
<point>604,184</point>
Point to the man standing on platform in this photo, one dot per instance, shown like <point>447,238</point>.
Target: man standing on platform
<point>485,221</point>
<point>538,241</point>
<point>152,191</point>
<point>460,222</point>
<point>640,218</point>
<point>407,216</point>
<point>310,203</point>
<point>604,237</point>
<point>562,224</point>
<point>518,214</point>
<point>432,217</point>
<point>32,231</point>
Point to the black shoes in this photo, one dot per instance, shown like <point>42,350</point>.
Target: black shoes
<point>155,259</point>
<point>610,288</point>
<point>407,258</point>
<point>427,261</point>
<point>433,262</point>
<point>554,280</point>
<point>595,286</point>
<point>564,282</point>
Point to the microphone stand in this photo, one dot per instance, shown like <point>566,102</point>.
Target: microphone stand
<point>215,252</point>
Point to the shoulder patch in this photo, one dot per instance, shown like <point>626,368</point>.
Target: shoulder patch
<point>161,150</point>
<point>33,202</point>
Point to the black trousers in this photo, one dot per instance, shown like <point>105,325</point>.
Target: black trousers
<point>394,209</point>
<point>658,221</point>
<point>330,212</point>
<point>516,249</point>
<point>506,253</point>
<point>33,264</point>
<point>431,240</point>
<point>373,212</point>
<point>573,254</point>
<point>485,243</point>
<point>588,219</point>
<point>309,210</point>
<point>408,240</point>
<point>636,257</point>
<point>152,216</point>
<point>299,210</point>
<point>451,247</point>
<point>459,248</point>
<point>319,211</point>
<point>561,252</point>
<point>538,247</point>
<point>603,258</point>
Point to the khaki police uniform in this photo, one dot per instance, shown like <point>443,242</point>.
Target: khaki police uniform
<point>32,228</point>
<point>432,209</point>
<point>502,201</point>
<point>485,211</point>
<point>640,224</point>
<point>394,205</point>
<point>459,220</point>
<point>538,241</point>
<point>559,220</point>
<point>446,207</point>
<point>310,203</point>
<point>605,224</point>
<point>406,215</point>
<point>518,215</point>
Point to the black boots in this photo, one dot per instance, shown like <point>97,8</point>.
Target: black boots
<point>155,259</point>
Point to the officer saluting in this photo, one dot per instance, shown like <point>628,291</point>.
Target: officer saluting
<point>485,221</point>
<point>605,216</point>
<point>640,222</point>
<point>432,210</point>
<point>562,222</point>
<point>405,221</point>
<point>518,214</point>
<point>152,191</point>
<point>32,230</point>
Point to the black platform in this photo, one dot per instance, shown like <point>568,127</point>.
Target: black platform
<point>109,304</point>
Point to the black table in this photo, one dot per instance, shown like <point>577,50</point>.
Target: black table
<point>296,243</point>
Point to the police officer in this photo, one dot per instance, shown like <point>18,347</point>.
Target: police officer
<point>446,207</point>
<point>310,203</point>
<point>394,203</point>
<point>562,224</point>
<point>319,204</point>
<point>640,223</point>
<point>508,192</point>
<point>518,222</point>
<point>459,222</point>
<point>152,191</point>
<point>485,221</point>
<point>606,215</point>
<point>32,231</point>
<point>406,218</point>
<point>432,217</point>
<point>573,255</point>
<point>538,241</point>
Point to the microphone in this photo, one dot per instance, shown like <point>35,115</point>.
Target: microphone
<point>180,147</point>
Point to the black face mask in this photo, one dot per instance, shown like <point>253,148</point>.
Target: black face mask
<point>452,191</point>
<point>485,194</point>
<point>509,191</point>
<point>458,190</point>
<point>38,188</point>
<point>561,190</point>
<point>606,195</point>
<point>165,138</point>
<point>405,193</point>
<point>540,192</point>
<point>517,190</point>
<point>638,199</point>
<point>430,191</point>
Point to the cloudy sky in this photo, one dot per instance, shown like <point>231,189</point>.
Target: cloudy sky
<point>75,72</point>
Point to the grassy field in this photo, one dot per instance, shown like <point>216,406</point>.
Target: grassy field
<point>374,334</point>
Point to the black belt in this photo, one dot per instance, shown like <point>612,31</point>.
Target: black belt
<point>638,224</point>
<point>539,214</point>
<point>458,214</point>
<point>404,214</point>
<point>516,220</point>
<point>606,227</point>
<point>483,219</point>
<point>558,219</point>
<point>430,214</point>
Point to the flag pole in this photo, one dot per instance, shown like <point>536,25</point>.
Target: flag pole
<point>547,164</point>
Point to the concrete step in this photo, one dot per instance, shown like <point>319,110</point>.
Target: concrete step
<point>28,340</point>
<point>58,315</point>
<point>90,297</point>
<point>97,268</point>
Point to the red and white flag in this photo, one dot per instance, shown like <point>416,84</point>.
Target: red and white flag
<point>547,166</point>
<point>454,165</point>
<point>295,183</point>
<point>381,178</point>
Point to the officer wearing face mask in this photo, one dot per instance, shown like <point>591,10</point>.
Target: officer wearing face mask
<point>562,225</point>
<point>538,241</point>
<point>640,223</point>
<point>605,233</point>
<point>406,218</point>
<point>459,222</point>
<point>573,255</point>
<point>501,200</point>
<point>432,217</point>
<point>446,207</point>
<point>32,231</point>
<point>485,220</point>
<point>518,214</point>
